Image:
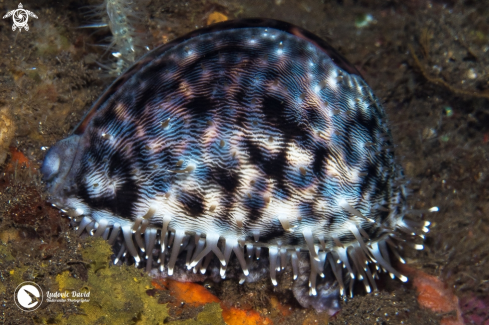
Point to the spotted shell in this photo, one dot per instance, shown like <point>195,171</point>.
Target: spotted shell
<point>247,134</point>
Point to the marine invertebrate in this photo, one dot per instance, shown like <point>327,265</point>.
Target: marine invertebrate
<point>245,135</point>
<point>120,16</point>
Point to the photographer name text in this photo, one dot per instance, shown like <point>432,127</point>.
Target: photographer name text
<point>67,296</point>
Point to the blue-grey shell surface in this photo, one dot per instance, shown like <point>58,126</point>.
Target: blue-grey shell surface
<point>245,135</point>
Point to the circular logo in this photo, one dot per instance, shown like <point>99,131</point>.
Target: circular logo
<point>28,296</point>
<point>20,17</point>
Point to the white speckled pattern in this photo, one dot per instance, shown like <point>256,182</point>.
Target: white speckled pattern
<point>243,136</point>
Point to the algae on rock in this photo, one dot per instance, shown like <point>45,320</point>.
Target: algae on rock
<point>117,294</point>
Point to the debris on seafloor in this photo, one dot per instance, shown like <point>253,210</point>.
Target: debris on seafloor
<point>443,83</point>
<point>18,160</point>
<point>192,295</point>
<point>216,17</point>
<point>448,111</point>
<point>364,20</point>
<point>433,294</point>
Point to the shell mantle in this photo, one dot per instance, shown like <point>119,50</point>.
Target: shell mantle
<point>244,135</point>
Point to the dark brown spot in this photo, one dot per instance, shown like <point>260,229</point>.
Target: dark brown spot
<point>192,203</point>
<point>165,123</point>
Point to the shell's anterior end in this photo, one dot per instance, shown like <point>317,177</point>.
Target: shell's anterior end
<point>50,166</point>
